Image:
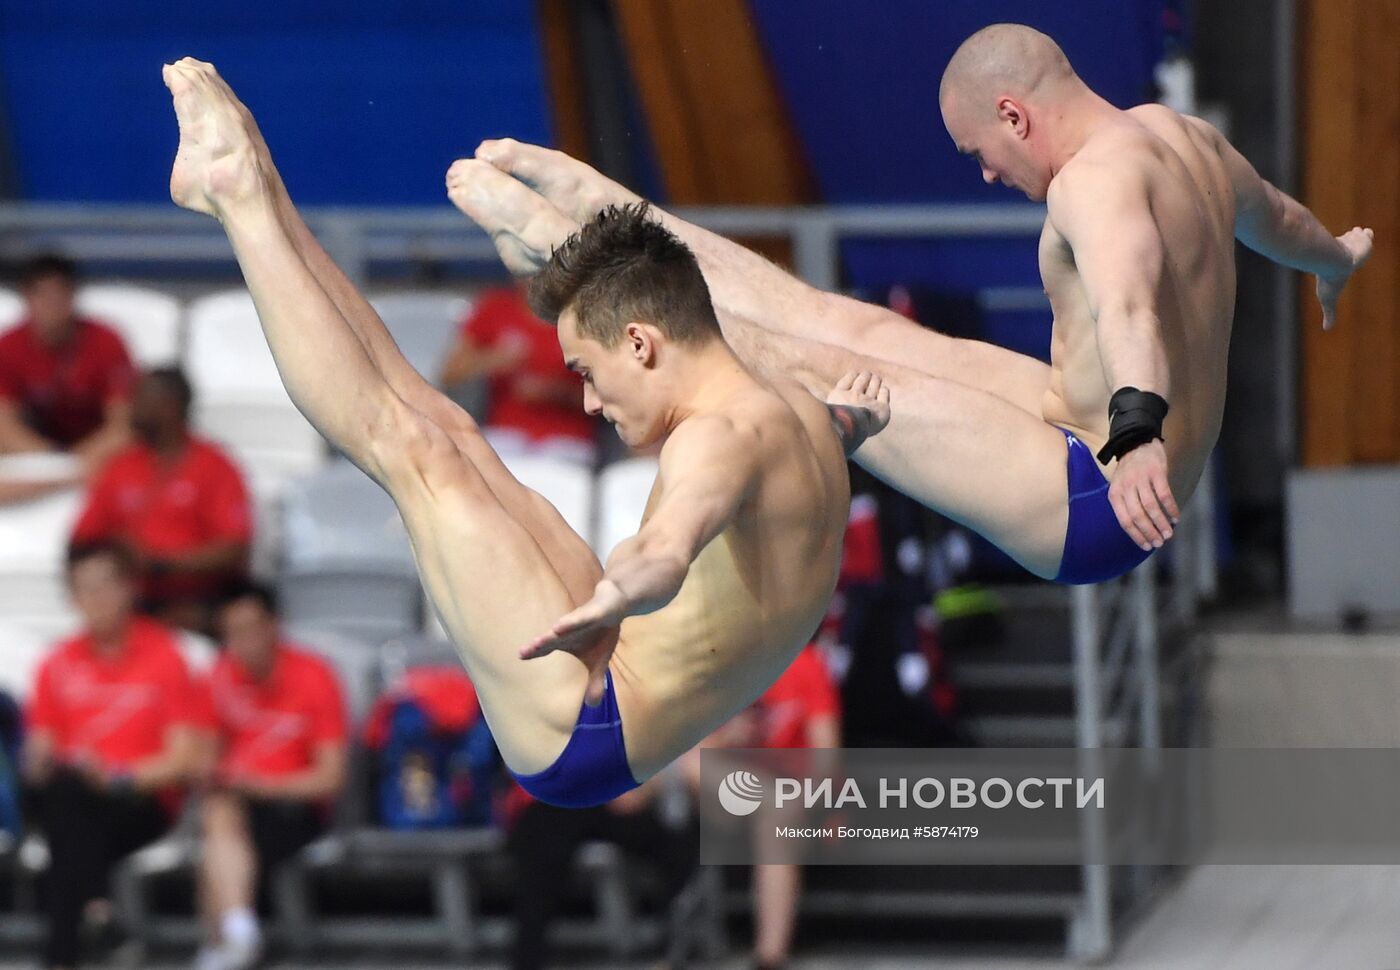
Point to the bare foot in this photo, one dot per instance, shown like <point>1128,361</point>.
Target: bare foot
<point>575,188</point>
<point>862,389</point>
<point>524,227</point>
<point>216,163</point>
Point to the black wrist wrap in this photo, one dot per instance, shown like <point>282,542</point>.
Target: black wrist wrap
<point>1134,418</point>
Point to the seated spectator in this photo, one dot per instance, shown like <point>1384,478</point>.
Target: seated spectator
<point>543,839</point>
<point>278,763</point>
<point>177,501</point>
<point>107,745</point>
<point>64,379</point>
<point>535,403</point>
<point>801,710</point>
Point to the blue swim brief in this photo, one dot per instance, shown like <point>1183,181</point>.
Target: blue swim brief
<point>593,767</point>
<point>1096,547</point>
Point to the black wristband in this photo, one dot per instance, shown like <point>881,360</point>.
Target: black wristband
<point>1134,418</point>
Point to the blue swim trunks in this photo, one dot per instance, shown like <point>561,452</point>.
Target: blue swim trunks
<point>593,766</point>
<point>1096,547</point>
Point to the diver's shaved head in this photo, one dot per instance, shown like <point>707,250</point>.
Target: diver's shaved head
<point>1005,59</point>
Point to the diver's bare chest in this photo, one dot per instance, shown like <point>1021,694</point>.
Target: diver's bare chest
<point>1060,278</point>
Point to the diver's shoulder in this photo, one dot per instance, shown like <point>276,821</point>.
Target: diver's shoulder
<point>1160,124</point>
<point>1124,156</point>
<point>1119,146</point>
<point>769,416</point>
<point>730,430</point>
<point>1152,112</point>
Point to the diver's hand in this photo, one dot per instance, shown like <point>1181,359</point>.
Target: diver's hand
<point>1358,243</point>
<point>1141,496</point>
<point>589,633</point>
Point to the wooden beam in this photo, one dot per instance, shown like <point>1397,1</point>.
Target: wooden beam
<point>1350,128</point>
<point>558,38</point>
<point>1328,75</point>
<point>721,129</point>
<point>1373,159</point>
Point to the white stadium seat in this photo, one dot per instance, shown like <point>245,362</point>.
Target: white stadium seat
<point>402,654</point>
<point>11,309</point>
<point>33,542</point>
<point>199,651</point>
<point>623,490</point>
<point>148,320</point>
<point>35,533</point>
<point>22,649</point>
<point>348,563</point>
<point>424,325</point>
<point>227,350</point>
<point>266,488</point>
<point>59,623</point>
<point>367,604</point>
<point>40,466</point>
<point>338,514</point>
<point>239,397</point>
<point>566,485</point>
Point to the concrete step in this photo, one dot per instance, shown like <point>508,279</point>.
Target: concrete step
<point>1039,732</point>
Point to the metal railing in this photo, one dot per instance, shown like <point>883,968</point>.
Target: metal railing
<point>1117,631</point>
<point>160,236</point>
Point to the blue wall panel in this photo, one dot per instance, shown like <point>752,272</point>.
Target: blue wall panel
<point>861,81</point>
<point>362,102</point>
<point>947,265</point>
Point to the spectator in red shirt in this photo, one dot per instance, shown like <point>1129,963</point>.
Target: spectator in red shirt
<point>109,740</point>
<point>64,379</point>
<point>535,403</point>
<point>280,750</point>
<point>177,501</point>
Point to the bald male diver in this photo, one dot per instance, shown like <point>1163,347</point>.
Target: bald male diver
<point>1075,469</point>
<point>738,553</point>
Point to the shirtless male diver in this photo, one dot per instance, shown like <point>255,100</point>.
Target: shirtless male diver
<point>1137,258</point>
<point>738,553</point>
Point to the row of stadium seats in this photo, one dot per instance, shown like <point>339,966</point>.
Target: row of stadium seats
<point>239,398</point>
<point>342,561</point>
